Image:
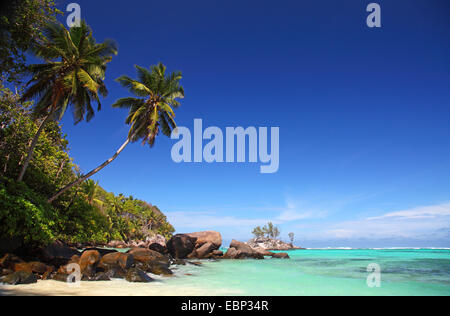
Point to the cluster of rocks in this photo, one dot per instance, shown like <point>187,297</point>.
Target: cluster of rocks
<point>200,245</point>
<point>157,242</point>
<point>264,243</point>
<point>240,250</point>
<point>205,245</point>
<point>61,262</point>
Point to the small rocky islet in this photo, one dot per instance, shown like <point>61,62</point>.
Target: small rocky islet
<point>61,262</point>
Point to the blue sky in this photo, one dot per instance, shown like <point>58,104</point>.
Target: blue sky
<point>363,116</point>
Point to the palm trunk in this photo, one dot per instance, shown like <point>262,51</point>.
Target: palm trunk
<point>32,147</point>
<point>90,174</point>
<point>60,168</point>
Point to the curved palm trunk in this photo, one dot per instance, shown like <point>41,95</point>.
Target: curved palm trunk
<point>33,146</point>
<point>90,174</point>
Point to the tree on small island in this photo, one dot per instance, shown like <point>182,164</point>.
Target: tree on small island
<point>291,237</point>
<point>268,230</point>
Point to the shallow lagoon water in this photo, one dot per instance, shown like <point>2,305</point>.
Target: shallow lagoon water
<point>308,272</point>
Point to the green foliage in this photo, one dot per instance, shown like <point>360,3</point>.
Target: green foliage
<point>152,111</point>
<point>258,232</point>
<point>85,214</point>
<point>269,230</point>
<point>51,166</point>
<point>24,214</point>
<point>72,73</point>
<point>21,22</point>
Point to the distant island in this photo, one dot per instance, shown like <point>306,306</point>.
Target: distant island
<point>266,238</point>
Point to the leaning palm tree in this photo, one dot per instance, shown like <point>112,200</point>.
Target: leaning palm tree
<point>72,74</point>
<point>150,112</point>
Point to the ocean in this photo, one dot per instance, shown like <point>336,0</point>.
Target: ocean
<point>308,272</point>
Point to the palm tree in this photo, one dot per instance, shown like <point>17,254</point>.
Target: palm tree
<point>150,112</point>
<point>276,232</point>
<point>72,74</point>
<point>90,191</point>
<point>258,232</point>
<point>291,237</point>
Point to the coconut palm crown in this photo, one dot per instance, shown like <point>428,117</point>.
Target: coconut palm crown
<point>151,111</point>
<point>72,74</point>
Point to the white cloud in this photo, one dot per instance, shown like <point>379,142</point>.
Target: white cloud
<point>418,212</point>
<point>418,223</point>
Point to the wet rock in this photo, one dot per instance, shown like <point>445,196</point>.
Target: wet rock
<point>88,262</point>
<point>155,268</point>
<point>180,262</point>
<point>240,250</point>
<point>232,253</point>
<point>137,276</point>
<point>38,268</point>
<point>4,272</point>
<point>63,277</point>
<point>116,273</point>
<point>143,255</point>
<point>158,248</point>
<point>181,245</point>
<point>8,261</point>
<point>204,250</point>
<point>101,276</point>
<point>123,260</point>
<point>281,255</point>
<point>264,252</point>
<point>217,253</point>
<point>20,277</point>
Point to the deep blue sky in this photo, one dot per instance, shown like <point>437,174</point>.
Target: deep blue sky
<point>363,114</point>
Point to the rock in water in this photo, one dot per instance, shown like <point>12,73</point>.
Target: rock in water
<point>101,276</point>
<point>212,237</point>
<point>21,277</point>
<point>155,268</point>
<point>151,261</point>
<point>137,276</point>
<point>111,260</point>
<point>181,245</point>
<point>146,255</point>
<point>270,244</point>
<point>240,250</point>
<point>158,248</point>
<point>88,262</point>
<point>205,250</point>
<point>281,255</point>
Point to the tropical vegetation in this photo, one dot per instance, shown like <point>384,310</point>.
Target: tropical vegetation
<point>269,230</point>
<point>43,194</point>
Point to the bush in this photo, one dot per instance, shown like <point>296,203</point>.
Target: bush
<point>24,215</point>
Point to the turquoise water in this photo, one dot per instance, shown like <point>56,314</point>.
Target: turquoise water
<point>330,272</point>
<point>308,272</point>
